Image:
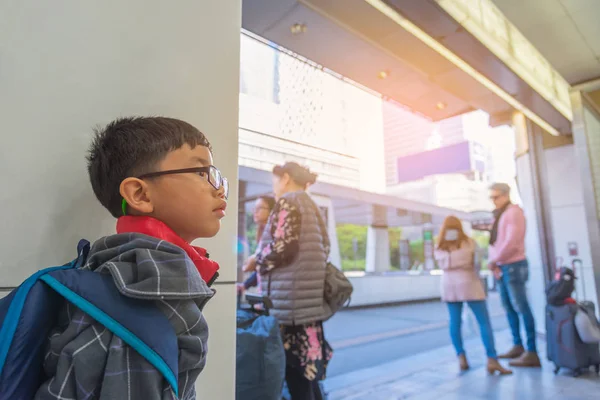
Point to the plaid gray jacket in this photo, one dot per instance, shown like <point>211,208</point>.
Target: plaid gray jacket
<point>86,361</point>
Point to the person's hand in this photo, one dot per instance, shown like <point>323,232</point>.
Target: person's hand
<point>250,265</point>
<point>495,270</point>
<point>240,288</point>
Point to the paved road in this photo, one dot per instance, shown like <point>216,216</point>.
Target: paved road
<point>369,337</point>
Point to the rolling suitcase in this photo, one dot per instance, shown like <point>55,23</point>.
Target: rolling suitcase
<point>565,347</point>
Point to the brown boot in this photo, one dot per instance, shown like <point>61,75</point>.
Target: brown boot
<point>528,359</point>
<point>462,361</point>
<point>494,366</point>
<point>515,352</point>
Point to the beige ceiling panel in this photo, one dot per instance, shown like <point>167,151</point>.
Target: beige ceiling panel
<point>453,105</point>
<point>524,13</point>
<point>357,14</point>
<point>588,23</point>
<point>560,42</point>
<point>583,72</point>
<point>573,6</point>
<point>461,84</point>
<point>492,104</point>
<point>258,15</point>
<point>415,53</point>
<point>409,89</point>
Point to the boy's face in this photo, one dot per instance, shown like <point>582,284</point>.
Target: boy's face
<point>186,202</point>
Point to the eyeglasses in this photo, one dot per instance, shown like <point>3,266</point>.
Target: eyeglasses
<point>213,175</point>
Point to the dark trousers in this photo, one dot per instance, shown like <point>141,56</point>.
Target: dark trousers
<point>301,388</point>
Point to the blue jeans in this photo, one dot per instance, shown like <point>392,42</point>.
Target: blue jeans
<point>480,310</point>
<point>514,299</point>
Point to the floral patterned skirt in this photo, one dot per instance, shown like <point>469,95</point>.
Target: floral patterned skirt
<point>306,349</point>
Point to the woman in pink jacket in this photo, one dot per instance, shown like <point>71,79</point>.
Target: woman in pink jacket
<point>455,254</point>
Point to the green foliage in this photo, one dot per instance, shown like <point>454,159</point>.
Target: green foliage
<point>481,238</point>
<point>395,235</point>
<point>416,251</point>
<point>345,234</point>
<point>351,265</point>
<point>251,232</point>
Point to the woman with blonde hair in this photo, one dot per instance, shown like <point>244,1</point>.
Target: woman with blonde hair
<point>456,255</point>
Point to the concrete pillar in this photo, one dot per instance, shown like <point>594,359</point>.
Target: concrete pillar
<point>378,241</point>
<point>530,181</point>
<point>586,133</point>
<point>71,65</point>
<point>334,253</point>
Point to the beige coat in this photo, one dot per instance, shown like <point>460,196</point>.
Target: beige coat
<point>460,281</point>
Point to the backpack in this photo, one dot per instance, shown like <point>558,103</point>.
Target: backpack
<point>29,312</point>
<point>588,326</point>
<point>562,288</point>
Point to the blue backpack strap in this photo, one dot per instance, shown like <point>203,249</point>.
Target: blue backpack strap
<point>12,315</point>
<point>139,323</point>
<point>83,249</point>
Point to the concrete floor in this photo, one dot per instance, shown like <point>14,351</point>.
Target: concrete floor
<point>404,352</point>
<point>366,338</point>
<point>434,375</point>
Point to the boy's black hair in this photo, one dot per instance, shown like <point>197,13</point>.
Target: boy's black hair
<point>133,146</point>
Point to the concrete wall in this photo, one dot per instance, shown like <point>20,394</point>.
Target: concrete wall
<point>568,215</point>
<point>392,288</point>
<point>68,65</point>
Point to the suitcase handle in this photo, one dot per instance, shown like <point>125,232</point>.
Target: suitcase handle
<point>254,299</point>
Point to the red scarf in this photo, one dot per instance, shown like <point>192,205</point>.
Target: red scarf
<point>158,229</point>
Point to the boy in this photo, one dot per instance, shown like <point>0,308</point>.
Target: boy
<point>154,175</point>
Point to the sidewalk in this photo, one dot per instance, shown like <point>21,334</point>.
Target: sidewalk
<point>364,338</point>
<point>433,375</point>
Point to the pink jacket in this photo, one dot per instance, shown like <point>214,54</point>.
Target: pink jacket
<point>460,281</point>
<point>510,242</point>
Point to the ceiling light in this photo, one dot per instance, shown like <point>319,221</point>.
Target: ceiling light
<point>297,29</point>
<point>383,74</point>
<point>440,105</point>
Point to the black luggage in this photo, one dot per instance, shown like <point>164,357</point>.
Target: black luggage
<point>565,347</point>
